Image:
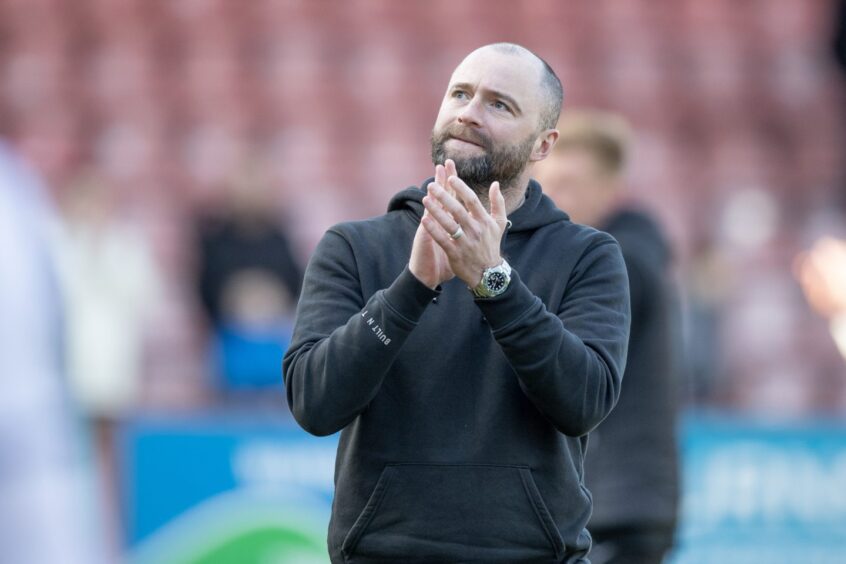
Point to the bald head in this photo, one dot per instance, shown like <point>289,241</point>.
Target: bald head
<point>551,89</point>
<point>497,117</point>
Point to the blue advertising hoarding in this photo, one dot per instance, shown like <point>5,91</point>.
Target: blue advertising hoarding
<point>244,490</point>
<point>225,490</point>
<point>762,493</point>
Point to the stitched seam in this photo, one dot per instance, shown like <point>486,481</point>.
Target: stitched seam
<point>514,322</point>
<point>368,513</point>
<point>543,515</point>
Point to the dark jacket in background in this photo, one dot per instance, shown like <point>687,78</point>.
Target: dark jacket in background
<point>632,462</point>
<point>228,247</point>
<point>463,421</point>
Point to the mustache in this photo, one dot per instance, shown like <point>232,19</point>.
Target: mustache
<point>466,134</point>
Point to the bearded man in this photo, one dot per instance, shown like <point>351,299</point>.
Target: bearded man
<point>464,343</point>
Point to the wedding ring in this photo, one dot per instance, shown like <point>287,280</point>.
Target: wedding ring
<point>458,233</point>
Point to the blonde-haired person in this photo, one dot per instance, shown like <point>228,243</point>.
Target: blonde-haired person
<point>631,466</point>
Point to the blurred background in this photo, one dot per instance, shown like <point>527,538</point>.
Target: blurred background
<point>179,160</point>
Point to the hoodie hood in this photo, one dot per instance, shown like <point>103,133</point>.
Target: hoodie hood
<point>537,210</point>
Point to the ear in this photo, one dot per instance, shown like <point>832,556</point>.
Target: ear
<point>543,145</point>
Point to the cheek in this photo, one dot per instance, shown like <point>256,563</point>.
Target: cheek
<point>439,127</point>
<point>445,114</point>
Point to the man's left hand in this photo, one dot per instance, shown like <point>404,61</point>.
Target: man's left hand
<point>476,247</point>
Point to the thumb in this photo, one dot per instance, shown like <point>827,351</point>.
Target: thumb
<point>497,205</point>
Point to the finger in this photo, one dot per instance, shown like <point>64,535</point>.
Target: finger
<point>437,211</point>
<point>449,169</point>
<point>434,186</point>
<point>425,211</point>
<point>452,205</point>
<point>441,237</point>
<point>467,196</point>
<point>497,204</point>
<point>440,174</point>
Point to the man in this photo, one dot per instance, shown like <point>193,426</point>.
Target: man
<point>47,514</point>
<point>248,280</point>
<point>631,466</point>
<point>465,343</point>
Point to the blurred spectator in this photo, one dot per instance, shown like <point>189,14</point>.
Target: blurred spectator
<point>707,285</point>
<point>111,285</point>
<point>249,281</point>
<point>822,274</point>
<point>47,512</point>
<point>631,466</point>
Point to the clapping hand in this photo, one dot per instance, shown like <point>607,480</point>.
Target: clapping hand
<point>467,235</point>
<point>429,263</point>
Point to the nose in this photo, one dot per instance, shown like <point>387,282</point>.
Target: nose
<point>471,113</point>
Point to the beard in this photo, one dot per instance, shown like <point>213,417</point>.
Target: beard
<point>503,164</point>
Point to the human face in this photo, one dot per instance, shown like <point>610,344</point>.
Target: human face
<point>576,182</point>
<point>502,163</point>
<point>488,120</point>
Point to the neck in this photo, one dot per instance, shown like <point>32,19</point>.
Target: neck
<point>514,198</point>
<point>514,194</point>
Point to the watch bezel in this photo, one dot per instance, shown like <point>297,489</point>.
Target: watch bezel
<point>484,289</point>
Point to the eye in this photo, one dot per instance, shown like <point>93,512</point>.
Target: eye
<point>500,105</point>
<point>460,95</point>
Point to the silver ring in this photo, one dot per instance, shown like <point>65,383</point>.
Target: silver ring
<point>458,234</point>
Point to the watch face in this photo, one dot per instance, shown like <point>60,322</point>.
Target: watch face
<point>496,282</point>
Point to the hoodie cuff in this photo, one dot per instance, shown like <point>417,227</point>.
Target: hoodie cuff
<point>408,297</point>
<point>508,307</point>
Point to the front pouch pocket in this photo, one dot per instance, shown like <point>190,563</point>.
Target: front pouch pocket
<point>445,512</point>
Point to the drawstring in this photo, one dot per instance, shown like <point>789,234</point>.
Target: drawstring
<point>508,225</point>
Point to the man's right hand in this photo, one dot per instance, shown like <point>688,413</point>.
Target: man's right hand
<point>429,262</point>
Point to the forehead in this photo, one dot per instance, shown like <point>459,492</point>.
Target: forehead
<point>514,74</point>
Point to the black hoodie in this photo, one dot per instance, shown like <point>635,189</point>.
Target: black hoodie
<point>632,463</point>
<point>463,420</point>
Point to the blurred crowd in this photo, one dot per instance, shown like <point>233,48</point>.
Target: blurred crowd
<point>193,152</point>
<point>144,116</point>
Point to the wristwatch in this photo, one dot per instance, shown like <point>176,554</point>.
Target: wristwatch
<point>494,281</point>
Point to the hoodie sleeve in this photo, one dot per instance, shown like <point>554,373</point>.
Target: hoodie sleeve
<point>343,345</point>
<point>569,363</point>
